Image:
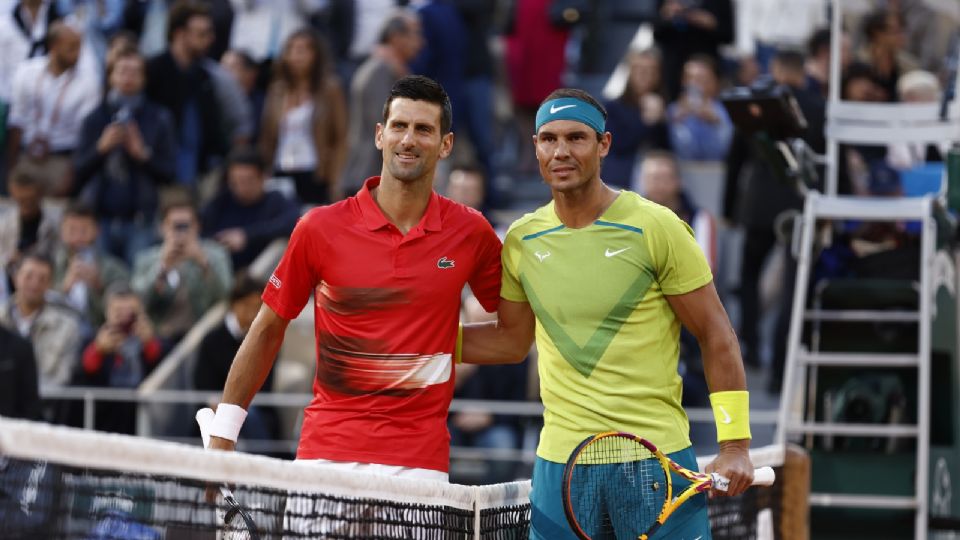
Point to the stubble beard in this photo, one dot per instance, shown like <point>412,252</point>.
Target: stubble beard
<point>406,174</point>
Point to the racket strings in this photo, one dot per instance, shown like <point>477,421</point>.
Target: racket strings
<point>617,489</point>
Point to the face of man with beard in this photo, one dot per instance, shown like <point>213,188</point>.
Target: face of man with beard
<point>411,140</point>
<point>65,47</point>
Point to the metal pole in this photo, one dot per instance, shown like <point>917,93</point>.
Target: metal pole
<point>833,147</point>
<point>927,253</point>
<point>88,409</point>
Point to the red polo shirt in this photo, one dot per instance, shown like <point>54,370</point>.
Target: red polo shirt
<point>387,307</point>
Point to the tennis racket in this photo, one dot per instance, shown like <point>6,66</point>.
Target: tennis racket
<point>238,523</point>
<point>618,485</point>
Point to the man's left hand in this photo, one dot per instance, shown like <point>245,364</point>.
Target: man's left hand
<point>701,18</point>
<point>733,462</point>
<point>134,143</point>
<point>233,239</point>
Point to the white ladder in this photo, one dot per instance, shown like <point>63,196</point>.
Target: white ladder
<point>801,363</point>
<point>868,124</point>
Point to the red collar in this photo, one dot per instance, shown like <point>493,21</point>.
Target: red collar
<point>373,216</point>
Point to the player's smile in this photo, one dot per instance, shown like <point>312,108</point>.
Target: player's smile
<point>411,140</point>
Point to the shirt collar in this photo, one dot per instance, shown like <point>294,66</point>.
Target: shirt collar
<point>233,326</point>
<point>374,219</point>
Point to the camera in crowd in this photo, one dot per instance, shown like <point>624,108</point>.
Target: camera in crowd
<point>768,112</point>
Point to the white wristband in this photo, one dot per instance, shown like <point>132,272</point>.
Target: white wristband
<point>228,421</point>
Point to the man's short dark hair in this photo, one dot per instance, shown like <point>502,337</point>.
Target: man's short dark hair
<point>127,35</point>
<point>246,155</point>
<point>80,210</point>
<point>857,71</point>
<point>664,155</point>
<point>245,58</point>
<point>398,23</point>
<point>129,51</point>
<point>468,167</point>
<point>37,256</point>
<point>180,14</point>
<point>420,88</point>
<point>818,41</point>
<point>790,60</point>
<point>26,173</point>
<point>876,23</point>
<point>705,60</point>
<point>118,289</point>
<point>244,285</point>
<point>176,200</point>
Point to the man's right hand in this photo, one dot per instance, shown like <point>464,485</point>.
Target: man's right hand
<point>219,443</point>
<point>112,137</point>
<point>108,339</point>
<point>170,254</point>
<point>670,9</point>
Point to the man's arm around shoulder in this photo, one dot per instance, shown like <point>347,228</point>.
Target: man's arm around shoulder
<point>504,341</point>
<point>252,364</point>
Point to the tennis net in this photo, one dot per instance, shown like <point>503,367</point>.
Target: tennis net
<point>58,482</point>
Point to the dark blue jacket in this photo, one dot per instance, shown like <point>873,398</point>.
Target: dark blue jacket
<point>272,217</point>
<point>18,377</point>
<point>630,135</point>
<point>117,197</point>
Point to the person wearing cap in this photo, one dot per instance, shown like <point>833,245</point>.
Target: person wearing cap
<point>609,347</point>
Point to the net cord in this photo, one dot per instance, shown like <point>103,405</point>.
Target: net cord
<point>113,452</point>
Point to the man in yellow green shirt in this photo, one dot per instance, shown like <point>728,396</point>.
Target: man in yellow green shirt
<point>604,279</point>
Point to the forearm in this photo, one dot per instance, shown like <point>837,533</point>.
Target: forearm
<point>491,343</point>
<point>253,361</point>
<point>723,368</point>
<point>722,364</point>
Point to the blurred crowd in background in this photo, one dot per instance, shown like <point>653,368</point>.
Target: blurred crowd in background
<point>152,149</point>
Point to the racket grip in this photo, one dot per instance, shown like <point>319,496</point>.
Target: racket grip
<point>764,476</point>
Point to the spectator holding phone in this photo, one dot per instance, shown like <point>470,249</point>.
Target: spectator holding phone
<point>126,151</point>
<point>81,270</point>
<point>184,276</point>
<point>699,126</point>
<point>124,351</point>
<point>686,28</point>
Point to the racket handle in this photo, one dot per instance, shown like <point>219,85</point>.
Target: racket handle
<point>764,476</point>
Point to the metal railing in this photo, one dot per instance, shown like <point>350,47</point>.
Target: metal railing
<point>90,396</point>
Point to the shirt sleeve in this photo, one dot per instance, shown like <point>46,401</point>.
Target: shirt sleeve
<point>510,287</point>
<point>19,98</point>
<point>485,280</point>
<point>681,264</point>
<point>299,271</point>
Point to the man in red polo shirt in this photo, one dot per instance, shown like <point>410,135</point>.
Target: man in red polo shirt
<point>386,268</point>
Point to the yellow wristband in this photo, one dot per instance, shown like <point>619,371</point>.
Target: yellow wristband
<point>457,352</point>
<point>731,412</point>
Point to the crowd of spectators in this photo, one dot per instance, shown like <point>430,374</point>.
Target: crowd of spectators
<point>145,145</point>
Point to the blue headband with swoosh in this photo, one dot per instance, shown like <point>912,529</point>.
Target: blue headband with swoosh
<point>568,108</point>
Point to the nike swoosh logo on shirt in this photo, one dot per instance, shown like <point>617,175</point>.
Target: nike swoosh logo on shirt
<point>554,109</point>
<point>726,417</point>
<point>609,253</point>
